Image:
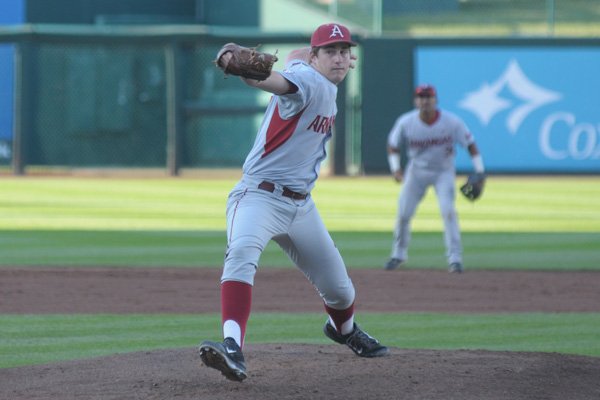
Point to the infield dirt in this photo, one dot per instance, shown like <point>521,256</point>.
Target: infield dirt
<point>282,371</point>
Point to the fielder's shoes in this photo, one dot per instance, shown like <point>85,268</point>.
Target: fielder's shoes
<point>393,263</point>
<point>226,357</point>
<point>455,268</point>
<point>359,341</point>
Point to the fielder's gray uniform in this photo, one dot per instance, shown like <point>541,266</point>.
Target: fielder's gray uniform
<point>431,153</point>
<point>273,201</point>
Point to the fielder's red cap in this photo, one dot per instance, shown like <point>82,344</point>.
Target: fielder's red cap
<point>331,33</point>
<point>425,91</point>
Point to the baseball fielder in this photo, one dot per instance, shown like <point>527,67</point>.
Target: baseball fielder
<point>429,135</point>
<point>272,201</point>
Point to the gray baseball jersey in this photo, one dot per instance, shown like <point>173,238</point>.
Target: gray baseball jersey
<point>430,146</point>
<point>290,145</point>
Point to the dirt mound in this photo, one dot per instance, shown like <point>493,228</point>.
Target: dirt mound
<point>331,372</point>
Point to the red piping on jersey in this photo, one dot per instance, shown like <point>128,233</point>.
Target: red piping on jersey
<point>279,130</point>
<point>237,203</point>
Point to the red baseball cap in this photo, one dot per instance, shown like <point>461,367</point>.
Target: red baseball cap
<point>425,91</point>
<point>331,33</point>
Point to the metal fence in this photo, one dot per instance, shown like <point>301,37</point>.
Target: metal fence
<point>88,96</point>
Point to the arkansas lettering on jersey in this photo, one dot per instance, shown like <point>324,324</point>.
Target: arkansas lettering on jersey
<point>424,143</point>
<point>322,124</point>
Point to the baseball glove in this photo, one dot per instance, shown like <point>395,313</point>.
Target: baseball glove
<point>473,188</point>
<point>246,62</point>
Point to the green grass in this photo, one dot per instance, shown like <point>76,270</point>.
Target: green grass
<point>121,204</point>
<point>34,339</point>
<point>521,223</point>
<point>483,250</point>
<point>521,204</point>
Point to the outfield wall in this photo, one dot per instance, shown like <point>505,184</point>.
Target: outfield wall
<point>150,97</point>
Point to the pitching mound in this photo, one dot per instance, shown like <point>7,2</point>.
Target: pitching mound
<point>330,372</point>
<point>303,371</point>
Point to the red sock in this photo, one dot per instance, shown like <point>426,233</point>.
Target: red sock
<point>236,300</point>
<point>340,316</point>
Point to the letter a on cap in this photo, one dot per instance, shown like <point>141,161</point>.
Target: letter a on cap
<point>335,30</point>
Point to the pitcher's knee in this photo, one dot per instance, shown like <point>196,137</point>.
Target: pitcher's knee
<point>241,264</point>
<point>340,297</point>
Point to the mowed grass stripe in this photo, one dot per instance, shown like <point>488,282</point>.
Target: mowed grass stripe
<point>83,336</point>
<point>482,250</point>
<point>510,204</point>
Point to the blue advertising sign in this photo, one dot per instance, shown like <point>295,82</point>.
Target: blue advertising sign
<point>11,12</point>
<point>531,109</point>
<point>6,91</point>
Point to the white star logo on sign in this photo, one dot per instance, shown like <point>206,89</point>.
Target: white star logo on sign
<point>486,102</point>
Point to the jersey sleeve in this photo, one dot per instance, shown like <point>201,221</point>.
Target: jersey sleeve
<point>395,134</point>
<point>462,134</point>
<point>291,104</point>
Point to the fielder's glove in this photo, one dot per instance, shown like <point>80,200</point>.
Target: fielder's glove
<point>473,188</point>
<point>245,62</point>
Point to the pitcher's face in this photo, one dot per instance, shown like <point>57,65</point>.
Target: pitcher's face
<point>333,61</point>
